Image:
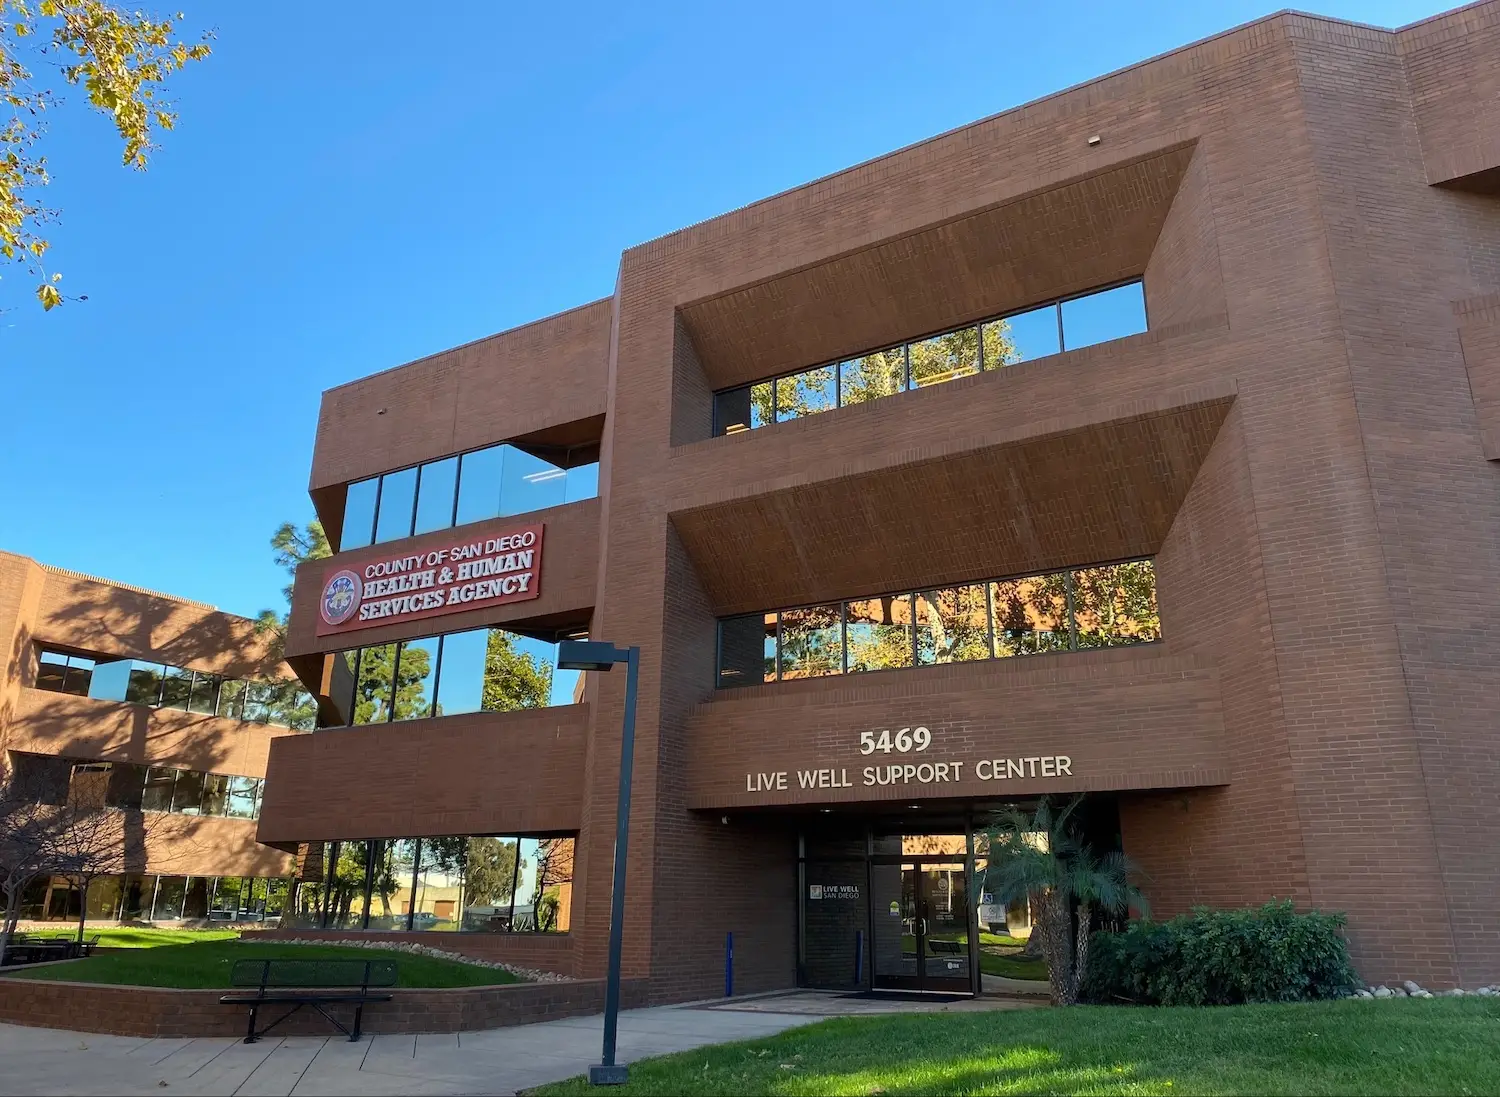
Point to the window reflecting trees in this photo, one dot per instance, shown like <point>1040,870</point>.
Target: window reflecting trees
<point>1017,337</point>
<point>486,483</point>
<point>1083,608</point>
<point>158,685</point>
<point>480,670</point>
<point>457,883</point>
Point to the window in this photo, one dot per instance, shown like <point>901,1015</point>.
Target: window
<point>157,794</point>
<point>284,703</point>
<point>481,670</point>
<point>812,642</point>
<point>493,482</point>
<point>64,673</point>
<point>359,513</point>
<point>204,697</point>
<point>1081,321</point>
<point>416,684</point>
<point>176,687</point>
<point>215,794</point>
<point>436,482</point>
<point>459,883</point>
<point>170,891</point>
<point>952,625</point>
<point>878,632</point>
<point>187,794</point>
<point>242,796</point>
<point>1073,610</point>
<point>747,650</point>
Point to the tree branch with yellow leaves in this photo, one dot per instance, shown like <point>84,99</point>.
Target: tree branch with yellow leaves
<point>121,59</point>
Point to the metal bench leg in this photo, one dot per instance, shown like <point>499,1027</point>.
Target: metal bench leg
<point>359,1011</point>
<point>250,1035</point>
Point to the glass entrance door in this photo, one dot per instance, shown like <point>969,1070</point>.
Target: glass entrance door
<point>921,925</point>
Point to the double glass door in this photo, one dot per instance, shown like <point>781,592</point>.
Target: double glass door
<point>921,924</point>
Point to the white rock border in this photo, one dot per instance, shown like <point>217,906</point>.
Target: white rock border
<point>1410,989</point>
<point>530,975</point>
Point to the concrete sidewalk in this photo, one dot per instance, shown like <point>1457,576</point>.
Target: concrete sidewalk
<point>497,1061</point>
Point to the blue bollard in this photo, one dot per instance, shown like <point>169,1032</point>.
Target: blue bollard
<point>729,964</point>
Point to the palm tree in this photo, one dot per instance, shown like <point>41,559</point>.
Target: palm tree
<point>1040,857</point>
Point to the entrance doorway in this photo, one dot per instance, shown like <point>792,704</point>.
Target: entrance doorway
<point>922,941</point>
<point>887,907</point>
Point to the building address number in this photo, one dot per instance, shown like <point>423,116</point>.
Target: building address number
<point>903,742</point>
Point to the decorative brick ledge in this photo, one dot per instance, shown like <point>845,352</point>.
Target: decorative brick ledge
<point>160,1011</point>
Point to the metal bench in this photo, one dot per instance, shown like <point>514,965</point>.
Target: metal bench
<point>316,983</point>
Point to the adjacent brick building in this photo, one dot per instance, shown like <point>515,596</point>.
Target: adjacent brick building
<point>160,711</point>
<point>1138,441</point>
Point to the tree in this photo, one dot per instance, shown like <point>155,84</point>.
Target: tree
<point>1042,858</point>
<point>29,837</point>
<point>554,868</point>
<point>291,547</point>
<point>120,58</point>
<point>513,679</point>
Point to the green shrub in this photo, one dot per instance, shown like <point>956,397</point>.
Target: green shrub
<point>1222,957</point>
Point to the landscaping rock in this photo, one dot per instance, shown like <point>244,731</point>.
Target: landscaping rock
<point>531,975</point>
<point>1488,992</point>
<point>1382,992</point>
<point>1412,988</point>
<point>1363,993</point>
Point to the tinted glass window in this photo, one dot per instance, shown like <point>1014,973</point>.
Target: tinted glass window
<point>529,482</point>
<point>126,784</point>
<point>1116,605</point>
<point>952,625</point>
<point>169,893</point>
<point>398,492</point>
<point>811,642</point>
<point>747,650</point>
<point>259,697</point>
<point>463,672</point>
<point>157,794</point>
<point>359,514</point>
<point>517,672</point>
<point>145,682</point>
<point>732,411</point>
<point>435,486</point>
<point>195,897</point>
<point>187,795</point>
<point>583,482</point>
<point>945,357</point>
<point>872,376</point>
<point>215,794</point>
<point>342,681</point>
<point>416,685</point>
<point>879,633</point>
<point>52,670</point>
<point>807,393</point>
<point>111,681</point>
<point>762,404</point>
<point>479,484</point>
<point>240,797</point>
<point>176,687</point>
<point>1023,337</point>
<point>372,696</point>
<point>231,699</point>
<point>205,694</point>
<point>1031,615</point>
<point>1100,317</point>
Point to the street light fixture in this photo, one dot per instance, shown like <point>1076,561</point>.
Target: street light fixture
<point>599,655</point>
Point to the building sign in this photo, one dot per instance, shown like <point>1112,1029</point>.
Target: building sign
<point>911,772</point>
<point>833,891</point>
<point>387,590</point>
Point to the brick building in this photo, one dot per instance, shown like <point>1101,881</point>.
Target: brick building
<point>1138,441</point>
<point>161,710</point>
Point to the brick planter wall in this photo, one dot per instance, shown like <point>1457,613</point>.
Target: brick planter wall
<point>538,951</point>
<point>159,1011</point>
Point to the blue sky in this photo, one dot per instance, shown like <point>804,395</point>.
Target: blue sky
<point>345,193</point>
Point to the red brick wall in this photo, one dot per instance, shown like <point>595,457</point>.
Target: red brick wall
<point>159,1012</point>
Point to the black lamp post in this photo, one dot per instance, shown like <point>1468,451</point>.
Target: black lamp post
<point>599,655</point>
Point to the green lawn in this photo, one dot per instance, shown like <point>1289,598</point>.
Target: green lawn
<point>1012,967</point>
<point>1351,1047</point>
<point>206,965</point>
